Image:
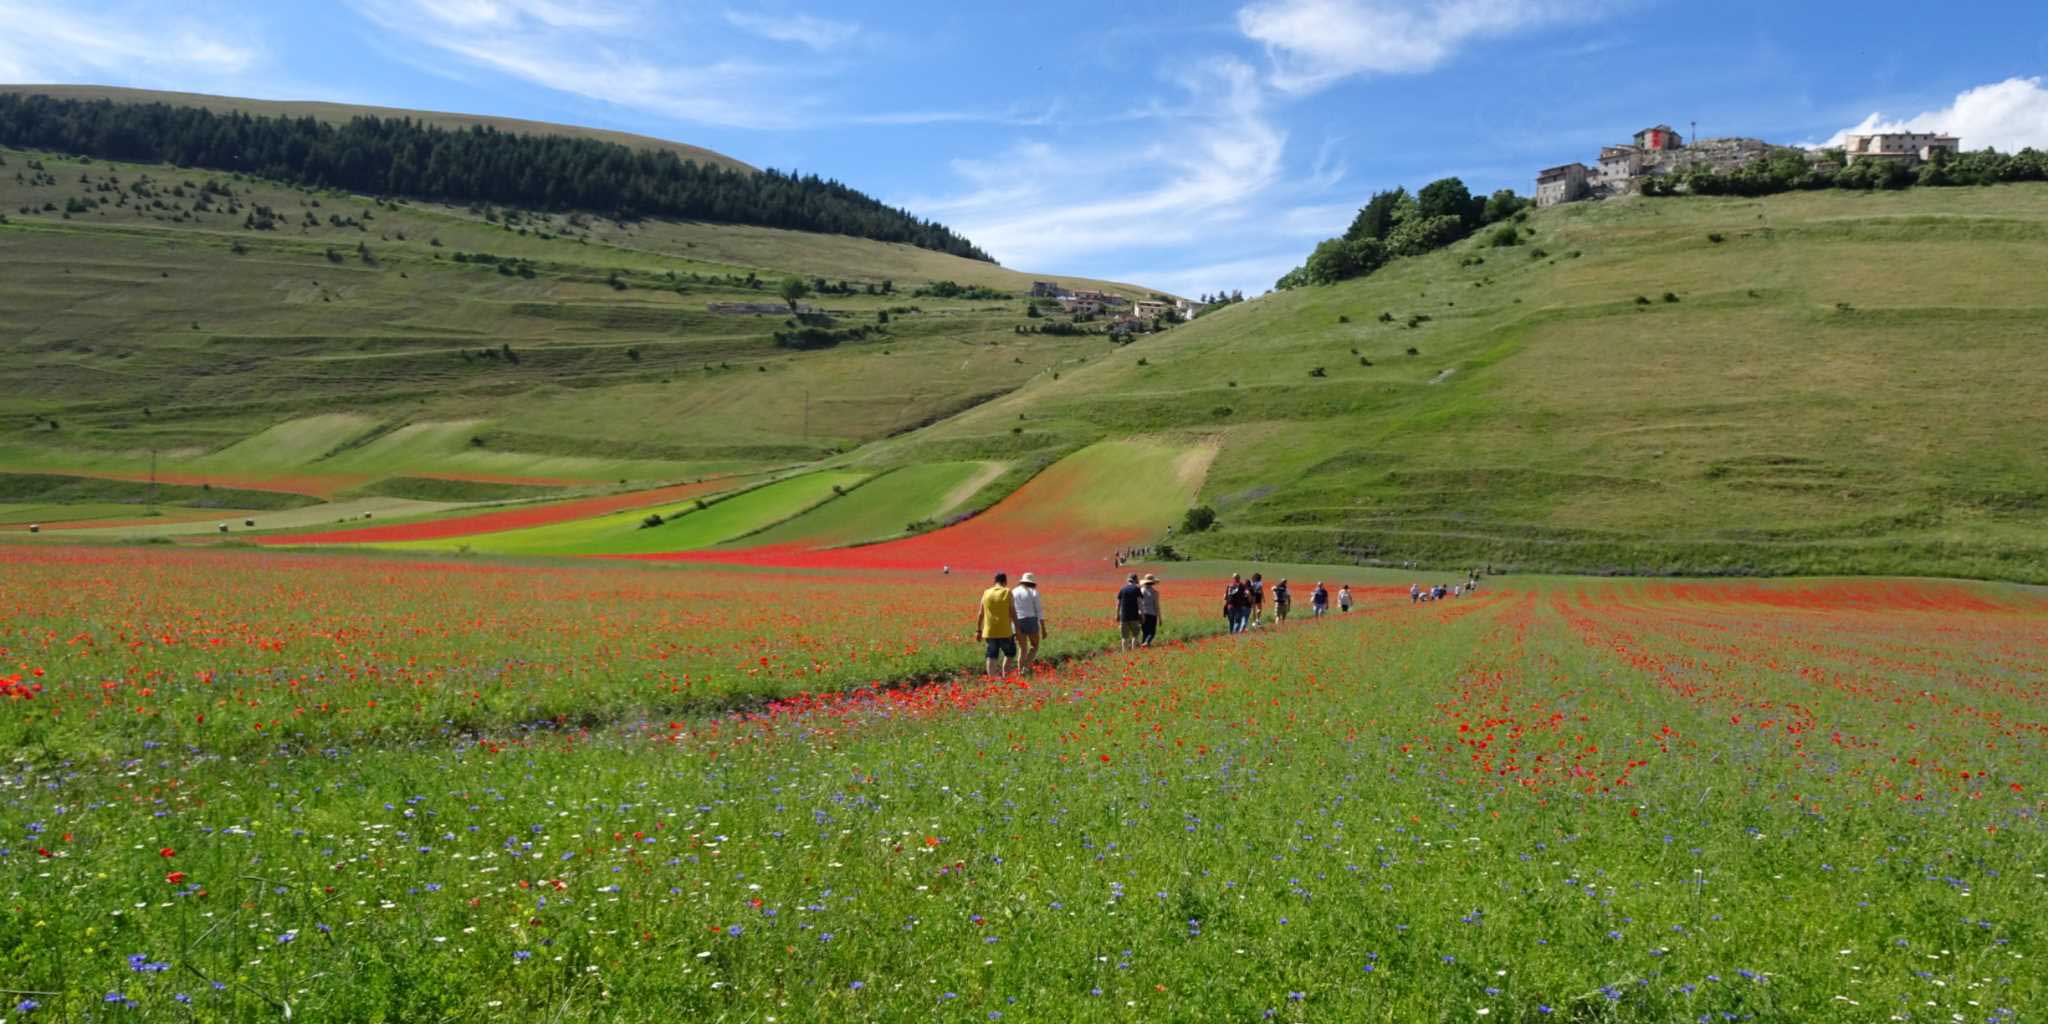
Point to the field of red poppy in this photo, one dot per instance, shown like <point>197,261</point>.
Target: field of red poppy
<point>373,789</point>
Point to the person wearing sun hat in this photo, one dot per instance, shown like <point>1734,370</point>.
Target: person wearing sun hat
<point>1030,613</point>
<point>1148,609</point>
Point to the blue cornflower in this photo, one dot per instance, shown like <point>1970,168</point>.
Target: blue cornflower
<point>287,937</point>
<point>733,929</point>
<point>27,1006</point>
<point>182,997</point>
<point>858,985</point>
<point>522,954</point>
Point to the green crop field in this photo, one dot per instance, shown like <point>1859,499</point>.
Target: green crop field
<point>885,506</point>
<point>685,527</point>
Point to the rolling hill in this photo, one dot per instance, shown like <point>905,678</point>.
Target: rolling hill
<point>339,113</point>
<point>1829,382</point>
<point>1804,383</point>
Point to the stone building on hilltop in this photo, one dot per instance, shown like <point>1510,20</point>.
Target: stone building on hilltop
<point>1562,184</point>
<point>1909,148</point>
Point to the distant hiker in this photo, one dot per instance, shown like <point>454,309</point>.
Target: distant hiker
<point>1344,598</point>
<point>1130,614</point>
<point>996,627</point>
<point>945,570</point>
<point>1414,592</point>
<point>1148,608</point>
<point>1237,604</point>
<point>1319,601</point>
<point>1030,614</point>
<point>1282,599</point>
<point>1258,590</point>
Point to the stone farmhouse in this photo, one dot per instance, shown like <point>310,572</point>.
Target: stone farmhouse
<point>1910,148</point>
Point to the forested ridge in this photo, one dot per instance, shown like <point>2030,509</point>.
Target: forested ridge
<point>402,157</point>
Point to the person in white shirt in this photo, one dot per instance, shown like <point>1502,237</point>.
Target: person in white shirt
<point>1030,613</point>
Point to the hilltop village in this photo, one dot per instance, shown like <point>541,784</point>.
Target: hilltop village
<point>1662,152</point>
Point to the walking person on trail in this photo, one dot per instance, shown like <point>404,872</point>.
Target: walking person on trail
<point>1414,593</point>
<point>1237,604</point>
<point>1319,601</point>
<point>1344,598</point>
<point>1148,609</point>
<point>1282,599</point>
<point>1030,614</point>
<point>996,627</point>
<point>1130,617</point>
<point>1258,592</point>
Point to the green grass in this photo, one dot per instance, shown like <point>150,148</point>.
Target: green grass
<point>459,792</point>
<point>1845,385</point>
<point>885,506</point>
<point>686,527</point>
<point>137,330</point>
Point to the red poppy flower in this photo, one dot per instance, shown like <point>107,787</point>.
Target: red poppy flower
<point>167,852</point>
<point>175,878</point>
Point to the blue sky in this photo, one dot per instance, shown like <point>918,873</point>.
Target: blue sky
<point>1187,146</point>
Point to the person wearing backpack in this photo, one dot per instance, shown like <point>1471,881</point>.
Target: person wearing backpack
<point>1319,601</point>
<point>1283,599</point>
<point>1237,603</point>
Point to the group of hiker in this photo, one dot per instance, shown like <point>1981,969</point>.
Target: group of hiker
<point>1011,621</point>
<point>1244,601</point>
<point>1417,593</point>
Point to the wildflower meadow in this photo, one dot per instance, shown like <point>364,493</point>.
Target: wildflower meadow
<point>248,785</point>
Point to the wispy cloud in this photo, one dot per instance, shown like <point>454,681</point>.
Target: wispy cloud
<point>1315,43</point>
<point>595,49</point>
<point>2007,116</point>
<point>45,42</point>
<point>1187,179</point>
<point>820,34</point>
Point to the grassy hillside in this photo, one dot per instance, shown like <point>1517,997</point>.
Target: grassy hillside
<point>1841,382</point>
<point>339,113</point>
<point>357,341</point>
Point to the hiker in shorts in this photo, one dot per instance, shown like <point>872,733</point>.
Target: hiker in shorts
<point>1319,601</point>
<point>1344,598</point>
<point>1148,609</point>
<point>995,625</point>
<point>1130,616</point>
<point>1258,592</point>
<point>1030,615</point>
<point>1282,600</point>
<point>1414,593</point>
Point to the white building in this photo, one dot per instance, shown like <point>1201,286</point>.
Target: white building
<point>1906,147</point>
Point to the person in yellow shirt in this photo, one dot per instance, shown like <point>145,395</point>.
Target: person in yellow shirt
<point>996,627</point>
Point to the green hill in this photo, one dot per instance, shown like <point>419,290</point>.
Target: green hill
<point>341,113</point>
<point>1804,383</point>
<point>359,339</point>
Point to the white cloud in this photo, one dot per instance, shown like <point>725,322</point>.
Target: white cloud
<point>44,42</point>
<point>2007,116</point>
<point>1194,177</point>
<point>820,34</point>
<point>1315,43</point>
<point>594,49</point>
<point>1253,275</point>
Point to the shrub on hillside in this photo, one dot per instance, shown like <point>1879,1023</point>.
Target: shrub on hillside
<point>1197,519</point>
<point>1504,236</point>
